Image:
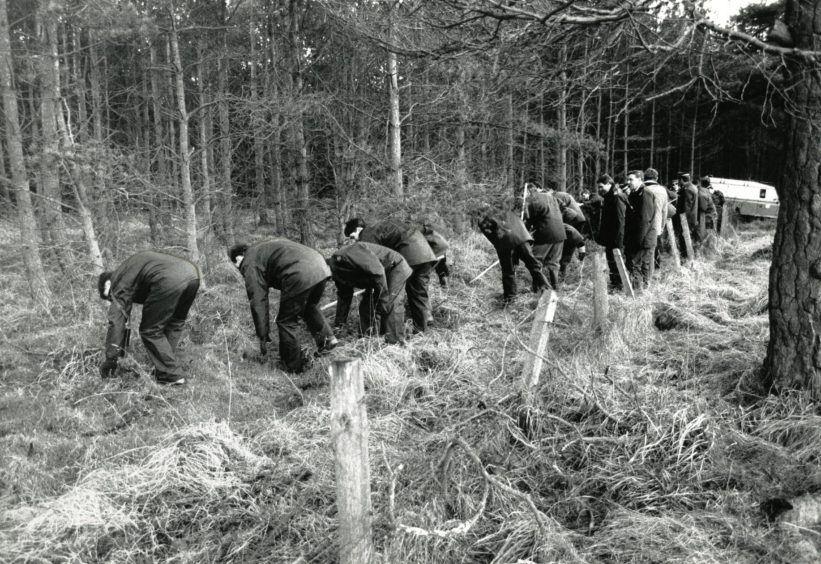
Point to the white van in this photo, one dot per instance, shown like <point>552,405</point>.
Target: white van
<point>748,198</point>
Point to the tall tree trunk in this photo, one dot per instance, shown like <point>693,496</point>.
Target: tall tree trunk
<point>226,192</point>
<point>461,157</point>
<point>561,154</point>
<point>190,209</point>
<point>794,350</point>
<point>76,174</point>
<point>509,165</point>
<point>598,170</point>
<point>274,186</point>
<point>394,127</point>
<point>306,234</point>
<point>78,77</point>
<point>148,153</point>
<point>53,220</point>
<point>5,193</point>
<point>259,147</point>
<point>206,131</point>
<point>35,274</point>
<point>693,132</point>
<point>626,120</point>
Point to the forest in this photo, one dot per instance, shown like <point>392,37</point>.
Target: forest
<point>188,126</point>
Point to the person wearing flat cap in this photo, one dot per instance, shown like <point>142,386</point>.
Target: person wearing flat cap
<point>166,287</point>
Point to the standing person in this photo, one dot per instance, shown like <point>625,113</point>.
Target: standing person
<point>706,208</point>
<point>640,237</point>
<point>166,286</point>
<point>509,236</point>
<point>411,244</point>
<point>592,209</point>
<point>439,246</point>
<point>382,273</point>
<point>543,218</point>
<point>687,207</point>
<point>300,274</point>
<point>718,201</point>
<point>661,200</point>
<point>611,225</point>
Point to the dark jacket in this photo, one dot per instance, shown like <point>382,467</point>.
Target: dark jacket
<point>687,203</point>
<point>438,244</point>
<point>718,199</point>
<point>640,229</point>
<point>410,243</point>
<point>613,214</point>
<point>284,265</point>
<point>544,218</point>
<point>573,239</point>
<point>369,266</point>
<point>504,229</point>
<point>134,280</point>
<point>592,211</point>
<point>572,213</point>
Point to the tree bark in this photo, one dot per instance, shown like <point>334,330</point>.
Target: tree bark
<point>189,210</point>
<point>461,156</point>
<point>394,125</point>
<point>49,155</point>
<point>561,154</point>
<point>794,351</point>
<point>274,186</point>
<point>226,165</point>
<point>306,234</point>
<point>259,147</point>
<point>206,131</point>
<point>35,274</point>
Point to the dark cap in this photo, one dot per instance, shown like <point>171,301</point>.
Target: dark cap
<point>651,174</point>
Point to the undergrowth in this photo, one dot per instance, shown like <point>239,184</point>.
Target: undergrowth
<point>647,442</point>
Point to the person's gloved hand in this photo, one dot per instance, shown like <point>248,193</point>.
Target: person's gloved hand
<point>263,348</point>
<point>582,253</point>
<point>107,369</point>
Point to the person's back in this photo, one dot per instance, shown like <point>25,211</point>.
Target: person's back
<point>612,223</point>
<point>544,218</point>
<point>660,199</point>
<point>571,211</point>
<point>284,265</point>
<point>410,243</point>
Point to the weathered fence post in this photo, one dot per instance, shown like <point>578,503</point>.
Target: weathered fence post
<point>688,241</point>
<point>539,334</point>
<point>601,306</point>
<point>671,236</point>
<point>725,219</point>
<point>623,274</point>
<point>349,438</point>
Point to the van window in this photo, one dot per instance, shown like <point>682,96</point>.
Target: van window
<point>762,193</point>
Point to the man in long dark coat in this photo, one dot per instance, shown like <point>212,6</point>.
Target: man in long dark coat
<point>543,218</point>
<point>509,236</point>
<point>166,286</point>
<point>382,273</point>
<point>300,274</point>
<point>610,232</point>
<point>706,208</point>
<point>411,244</point>
<point>687,207</point>
<point>640,236</point>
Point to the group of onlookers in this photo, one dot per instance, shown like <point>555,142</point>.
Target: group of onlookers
<point>547,227</point>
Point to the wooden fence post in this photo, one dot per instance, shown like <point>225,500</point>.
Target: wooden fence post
<point>623,274</point>
<point>688,241</point>
<point>601,306</point>
<point>671,236</point>
<point>539,334</point>
<point>349,438</point>
<point>725,219</point>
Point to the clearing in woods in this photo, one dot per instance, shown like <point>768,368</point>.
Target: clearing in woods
<point>644,446</point>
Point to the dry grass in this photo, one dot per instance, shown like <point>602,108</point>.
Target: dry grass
<point>644,445</point>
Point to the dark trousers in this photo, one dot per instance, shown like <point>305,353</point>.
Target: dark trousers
<point>164,314</point>
<point>552,257</point>
<point>391,324</point>
<point>719,218</point>
<point>416,288</point>
<point>291,308</point>
<point>507,259</point>
<point>567,256</point>
<point>641,264</point>
<point>615,277</point>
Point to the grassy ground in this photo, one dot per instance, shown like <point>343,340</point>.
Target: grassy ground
<point>645,446</point>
